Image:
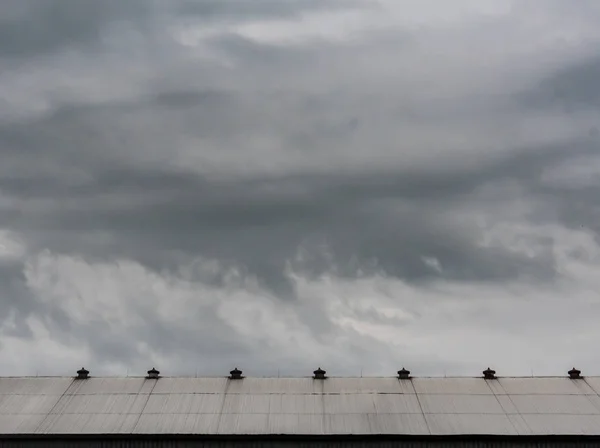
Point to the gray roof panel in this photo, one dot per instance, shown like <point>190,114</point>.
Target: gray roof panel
<point>471,386</point>
<point>296,404</point>
<point>367,385</point>
<point>396,404</point>
<point>553,424</point>
<point>100,404</point>
<point>88,424</point>
<point>27,404</point>
<point>553,404</point>
<point>295,424</point>
<point>34,386</point>
<point>177,424</point>
<point>456,424</point>
<point>94,386</point>
<point>460,404</point>
<point>593,383</point>
<point>398,424</point>
<point>189,385</point>
<point>349,404</point>
<point>507,405</point>
<point>184,404</point>
<point>347,424</point>
<point>519,424</point>
<point>275,386</point>
<point>20,423</point>
<point>243,424</point>
<point>554,386</point>
<point>300,406</point>
<point>246,404</point>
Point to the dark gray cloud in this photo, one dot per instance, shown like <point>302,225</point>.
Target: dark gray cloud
<point>283,183</point>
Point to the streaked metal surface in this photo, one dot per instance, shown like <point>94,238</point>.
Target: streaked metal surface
<point>563,424</point>
<point>471,386</point>
<point>296,404</point>
<point>93,386</point>
<point>27,404</point>
<point>243,424</point>
<point>347,424</point>
<point>275,386</point>
<point>367,385</point>
<point>101,404</point>
<point>246,404</point>
<point>340,404</point>
<point>88,424</point>
<point>20,423</point>
<point>299,406</point>
<point>34,386</point>
<point>460,404</point>
<point>450,424</point>
<point>554,404</point>
<point>184,404</point>
<point>594,383</point>
<point>396,404</point>
<point>531,386</point>
<point>296,424</point>
<point>519,424</point>
<point>177,424</point>
<point>507,404</point>
<point>190,385</point>
<point>398,424</point>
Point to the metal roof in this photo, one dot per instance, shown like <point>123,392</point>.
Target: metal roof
<point>365,406</point>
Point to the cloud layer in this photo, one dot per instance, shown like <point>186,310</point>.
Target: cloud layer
<point>282,184</point>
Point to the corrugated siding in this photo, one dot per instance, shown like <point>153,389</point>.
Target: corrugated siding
<point>300,406</point>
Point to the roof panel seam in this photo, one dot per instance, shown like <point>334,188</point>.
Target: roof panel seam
<point>134,426</point>
<point>49,413</point>
<point>421,408</point>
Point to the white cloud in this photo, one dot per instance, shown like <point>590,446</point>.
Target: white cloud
<point>444,326</point>
<point>11,246</point>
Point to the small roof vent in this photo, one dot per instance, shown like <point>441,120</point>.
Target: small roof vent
<point>83,374</point>
<point>153,374</point>
<point>489,374</point>
<point>574,374</point>
<point>235,374</point>
<point>319,374</point>
<point>404,374</point>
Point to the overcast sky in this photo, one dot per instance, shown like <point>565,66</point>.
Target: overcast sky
<point>279,185</point>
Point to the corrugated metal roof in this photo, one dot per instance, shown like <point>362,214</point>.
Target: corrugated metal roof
<point>594,383</point>
<point>459,404</point>
<point>531,386</point>
<point>447,424</point>
<point>94,386</point>
<point>470,386</point>
<point>553,404</point>
<point>517,406</point>
<point>34,386</point>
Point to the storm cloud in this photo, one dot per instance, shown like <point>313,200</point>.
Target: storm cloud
<point>277,185</point>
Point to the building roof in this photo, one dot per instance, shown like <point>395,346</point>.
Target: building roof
<point>292,406</point>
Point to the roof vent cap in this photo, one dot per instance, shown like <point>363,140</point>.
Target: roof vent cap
<point>574,374</point>
<point>153,374</point>
<point>489,374</point>
<point>403,374</point>
<point>83,374</point>
<point>319,374</point>
<point>235,374</point>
